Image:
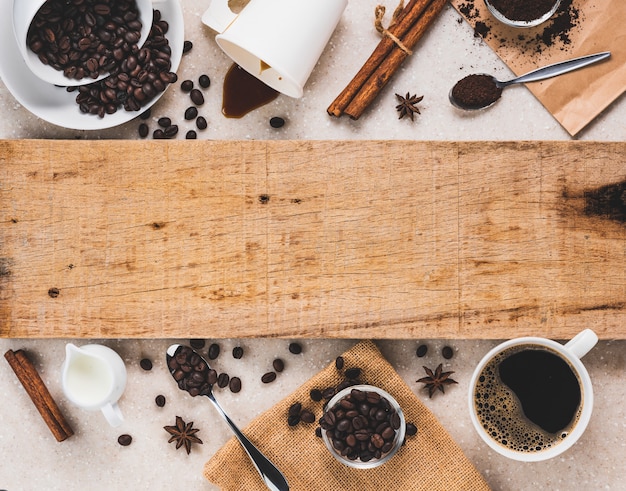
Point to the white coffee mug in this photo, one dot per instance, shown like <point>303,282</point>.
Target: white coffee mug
<point>24,12</point>
<point>571,353</point>
<point>94,378</point>
<point>277,41</point>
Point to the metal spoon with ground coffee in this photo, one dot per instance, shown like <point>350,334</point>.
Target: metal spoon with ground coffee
<point>479,91</point>
<point>191,372</point>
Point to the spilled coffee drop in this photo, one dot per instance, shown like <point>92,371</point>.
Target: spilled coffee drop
<point>244,93</point>
<point>546,387</point>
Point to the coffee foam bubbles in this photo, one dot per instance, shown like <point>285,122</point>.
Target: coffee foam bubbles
<point>500,413</point>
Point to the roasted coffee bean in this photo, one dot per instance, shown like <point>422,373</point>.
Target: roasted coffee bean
<point>164,122</point>
<point>307,416</point>
<point>196,97</point>
<point>191,135</point>
<point>277,122</point>
<point>186,85</point>
<point>158,134</point>
<point>315,395</point>
<point>411,429</point>
<point>146,364</point>
<point>124,440</point>
<point>204,81</point>
<point>447,352</point>
<point>329,392</point>
<point>201,123</point>
<point>171,131</point>
<point>354,373</point>
<point>159,400</point>
<point>212,377</point>
<point>235,384</point>
<point>293,419</point>
<point>295,348</point>
<point>214,351</point>
<point>278,365</point>
<point>237,352</point>
<point>143,130</point>
<point>191,113</point>
<point>197,343</point>
<point>223,380</point>
<point>187,46</point>
<point>268,377</point>
<point>295,408</point>
<point>366,434</point>
<point>339,363</point>
<point>421,351</point>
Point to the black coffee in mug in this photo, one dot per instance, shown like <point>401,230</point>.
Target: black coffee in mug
<point>528,398</point>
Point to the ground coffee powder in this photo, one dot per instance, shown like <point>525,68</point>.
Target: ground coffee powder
<point>523,10</point>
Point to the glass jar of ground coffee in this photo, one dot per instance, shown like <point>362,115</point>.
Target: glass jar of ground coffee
<point>363,426</point>
<point>522,13</point>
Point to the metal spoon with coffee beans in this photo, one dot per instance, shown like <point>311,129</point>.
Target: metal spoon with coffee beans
<point>478,91</point>
<point>192,373</point>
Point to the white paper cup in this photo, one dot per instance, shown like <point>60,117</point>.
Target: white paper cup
<point>24,12</point>
<point>571,353</point>
<point>277,41</point>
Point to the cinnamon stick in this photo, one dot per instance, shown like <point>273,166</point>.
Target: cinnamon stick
<point>39,394</point>
<point>392,62</point>
<point>411,12</point>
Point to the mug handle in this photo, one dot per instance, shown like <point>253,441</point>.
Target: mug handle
<point>113,414</point>
<point>582,343</point>
<point>218,16</point>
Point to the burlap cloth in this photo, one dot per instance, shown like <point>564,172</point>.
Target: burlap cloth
<point>430,460</point>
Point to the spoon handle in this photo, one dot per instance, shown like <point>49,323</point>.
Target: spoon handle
<point>558,68</point>
<point>274,479</point>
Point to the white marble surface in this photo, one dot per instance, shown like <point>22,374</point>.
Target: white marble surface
<point>92,458</point>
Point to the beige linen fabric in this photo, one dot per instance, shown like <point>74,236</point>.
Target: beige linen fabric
<point>429,461</point>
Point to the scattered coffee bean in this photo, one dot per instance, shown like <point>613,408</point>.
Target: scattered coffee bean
<point>191,112</point>
<point>159,400</point>
<point>339,363</point>
<point>197,343</point>
<point>171,131</point>
<point>315,395</point>
<point>124,440</point>
<point>353,373</point>
<point>214,351</point>
<point>278,365</point>
<point>212,376</point>
<point>201,123</point>
<point>447,352</point>
<point>277,122</point>
<point>187,46</point>
<point>191,135</point>
<point>204,81</point>
<point>235,384</point>
<point>196,97</point>
<point>295,348</point>
<point>307,416</point>
<point>186,85</point>
<point>411,429</point>
<point>223,380</point>
<point>318,432</point>
<point>164,122</point>
<point>146,364</point>
<point>237,352</point>
<point>370,429</point>
<point>293,419</point>
<point>329,392</point>
<point>421,351</point>
<point>268,377</point>
<point>295,408</point>
<point>143,130</point>
<point>158,134</point>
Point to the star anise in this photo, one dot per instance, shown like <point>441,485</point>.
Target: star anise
<point>183,434</point>
<point>437,380</point>
<point>407,106</point>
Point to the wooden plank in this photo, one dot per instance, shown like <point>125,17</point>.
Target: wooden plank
<point>352,239</point>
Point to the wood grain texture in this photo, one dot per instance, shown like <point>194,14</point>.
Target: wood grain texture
<point>351,239</point>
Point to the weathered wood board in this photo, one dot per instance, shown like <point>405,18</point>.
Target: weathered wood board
<point>353,239</point>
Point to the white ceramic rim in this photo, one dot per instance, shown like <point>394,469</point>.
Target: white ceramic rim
<point>400,435</point>
<point>55,105</point>
<point>587,400</point>
<point>520,23</point>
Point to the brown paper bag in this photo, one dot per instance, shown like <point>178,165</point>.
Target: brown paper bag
<point>429,461</point>
<point>576,98</point>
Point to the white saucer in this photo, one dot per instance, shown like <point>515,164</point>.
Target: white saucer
<point>55,104</point>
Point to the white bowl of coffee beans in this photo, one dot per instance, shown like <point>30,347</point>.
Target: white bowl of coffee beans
<point>77,42</point>
<point>363,426</point>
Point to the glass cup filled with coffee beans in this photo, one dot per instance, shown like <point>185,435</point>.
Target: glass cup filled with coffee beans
<point>363,426</point>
